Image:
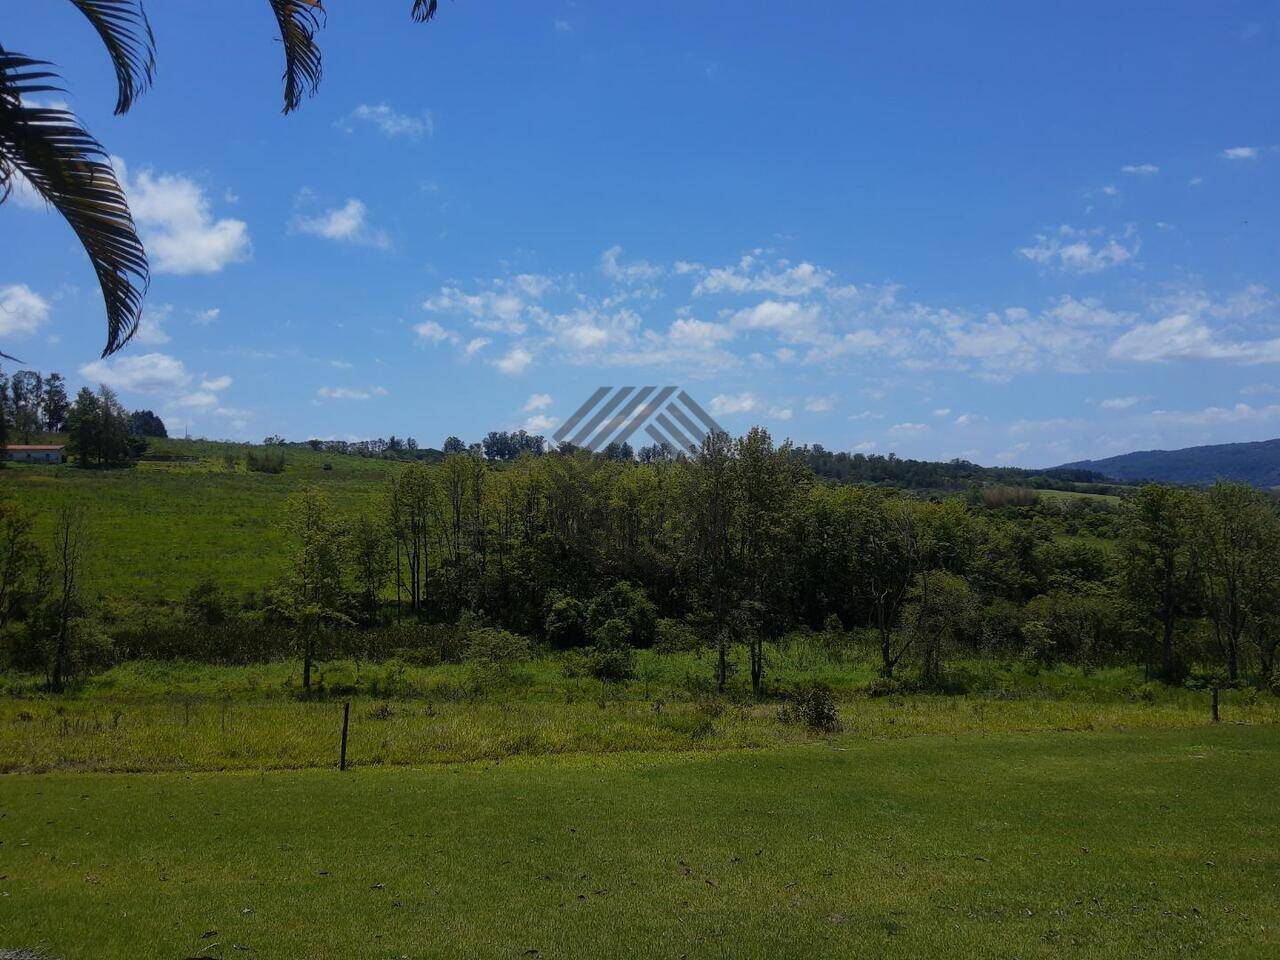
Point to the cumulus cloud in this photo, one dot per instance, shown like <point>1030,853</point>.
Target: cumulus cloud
<point>143,373</point>
<point>176,223</point>
<point>1183,337</point>
<point>151,328</point>
<point>433,332</point>
<point>390,122</point>
<point>792,321</point>
<point>1240,153</point>
<point>205,317</point>
<point>750,275</point>
<point>1073,250</point>
<point>538,401</point>
<point>22,311</point>
<point>348,223</point>
<point>498,310</point>
<point>514,361</point>
<point>1140,169</point>
<point>637,270</point>
<point>698,334</point>
<point>724,403</point>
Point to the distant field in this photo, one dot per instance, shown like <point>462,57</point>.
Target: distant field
<point>157,528</point>
<point>1105,846</point>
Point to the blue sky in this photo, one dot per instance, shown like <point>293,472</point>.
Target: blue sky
<point>1018,233</point>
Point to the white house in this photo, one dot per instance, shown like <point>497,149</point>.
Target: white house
<point>35,452</point>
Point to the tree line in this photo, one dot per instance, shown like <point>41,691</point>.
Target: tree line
<point>743,547</point>
<point>743,544</point>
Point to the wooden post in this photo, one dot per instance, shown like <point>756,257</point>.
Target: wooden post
<point>1215,705</point>
<point>346,719</point>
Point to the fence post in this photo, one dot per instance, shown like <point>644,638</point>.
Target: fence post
<point>346,719</point>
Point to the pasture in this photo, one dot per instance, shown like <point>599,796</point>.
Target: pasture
<point>1100,845</point>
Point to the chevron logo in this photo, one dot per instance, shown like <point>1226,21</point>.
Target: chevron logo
<point>613,414</point>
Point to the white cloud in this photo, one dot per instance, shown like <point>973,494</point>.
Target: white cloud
<point>562,26</point>
<point>1073,250</point>
<point>1182,337</point>
<point>820,404</point>
<point>942,412</point>
<point>793,321</point>
<point>541,423</point>
<point>1240,153</point>
<point>390,122</point>
<point>751,276</point>
<point>351,393</point>
<point>495,310</point>
<point>151,328</point>
<point>475,345</point>
<point>1195,181</point>
<point>780,413</point>
<point>866,446</point>
<point>514,360</point>
<point>909,429</point>
<point>698,334</point>
<point>143,373</point>
<point>348,223</point>
<point>1140,169</point>
<point>22,311</point>
<point>206,317</point>
<point>538,401</point>
<point>724,403</point>
<point>174,219</point>
<point>637,270</point>
<point>215,383</point>
<point>1210,416</point>
<point>1120,403</point>
<point>433,332</point>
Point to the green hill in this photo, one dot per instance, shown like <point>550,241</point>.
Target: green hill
<point>1254,463</point>
<point>155,528</point>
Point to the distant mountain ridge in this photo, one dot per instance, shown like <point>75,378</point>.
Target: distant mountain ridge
<point>1256,463</point>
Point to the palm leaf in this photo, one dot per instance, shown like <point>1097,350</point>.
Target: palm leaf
<point>126,33</point>
<point>72,172</point>
<point>299,20</point>
<point>423,10</point>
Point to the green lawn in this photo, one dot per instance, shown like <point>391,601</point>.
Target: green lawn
<point>1154,844</point>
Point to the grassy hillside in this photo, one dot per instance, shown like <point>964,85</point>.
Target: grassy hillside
<point>1000,845</point>
<point>1254,463</point>
<point>158,527</point>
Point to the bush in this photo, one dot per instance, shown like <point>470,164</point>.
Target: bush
<point>627,603</point>
<point>675,636</point>
<point>264,460</point>
<point>611,657</point>
<point>492,647</point>
<point>566,623</point>
<point>813,706</point>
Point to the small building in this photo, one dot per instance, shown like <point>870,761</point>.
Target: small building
<point>35,452</point>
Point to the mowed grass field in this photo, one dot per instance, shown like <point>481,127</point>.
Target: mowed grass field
<point>1098,845</point>
<point>157,528</point>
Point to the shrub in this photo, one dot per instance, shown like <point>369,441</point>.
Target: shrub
<point>675,636</point>
<point>627,603</point>
<point>492,647</point>
<point>264,460</point>
<point>611,657</point>
<point>566,623</point>
<point>813,706</point>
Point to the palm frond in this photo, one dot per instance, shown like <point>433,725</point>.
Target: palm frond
<point>424,10</point>
<point>299,20</point>
<point>126,33</point>
<point>72,172</point>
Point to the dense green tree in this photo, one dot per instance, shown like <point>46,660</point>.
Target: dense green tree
<point>1157,571</point>
<point>145,423</point>
<point>54,403</point>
